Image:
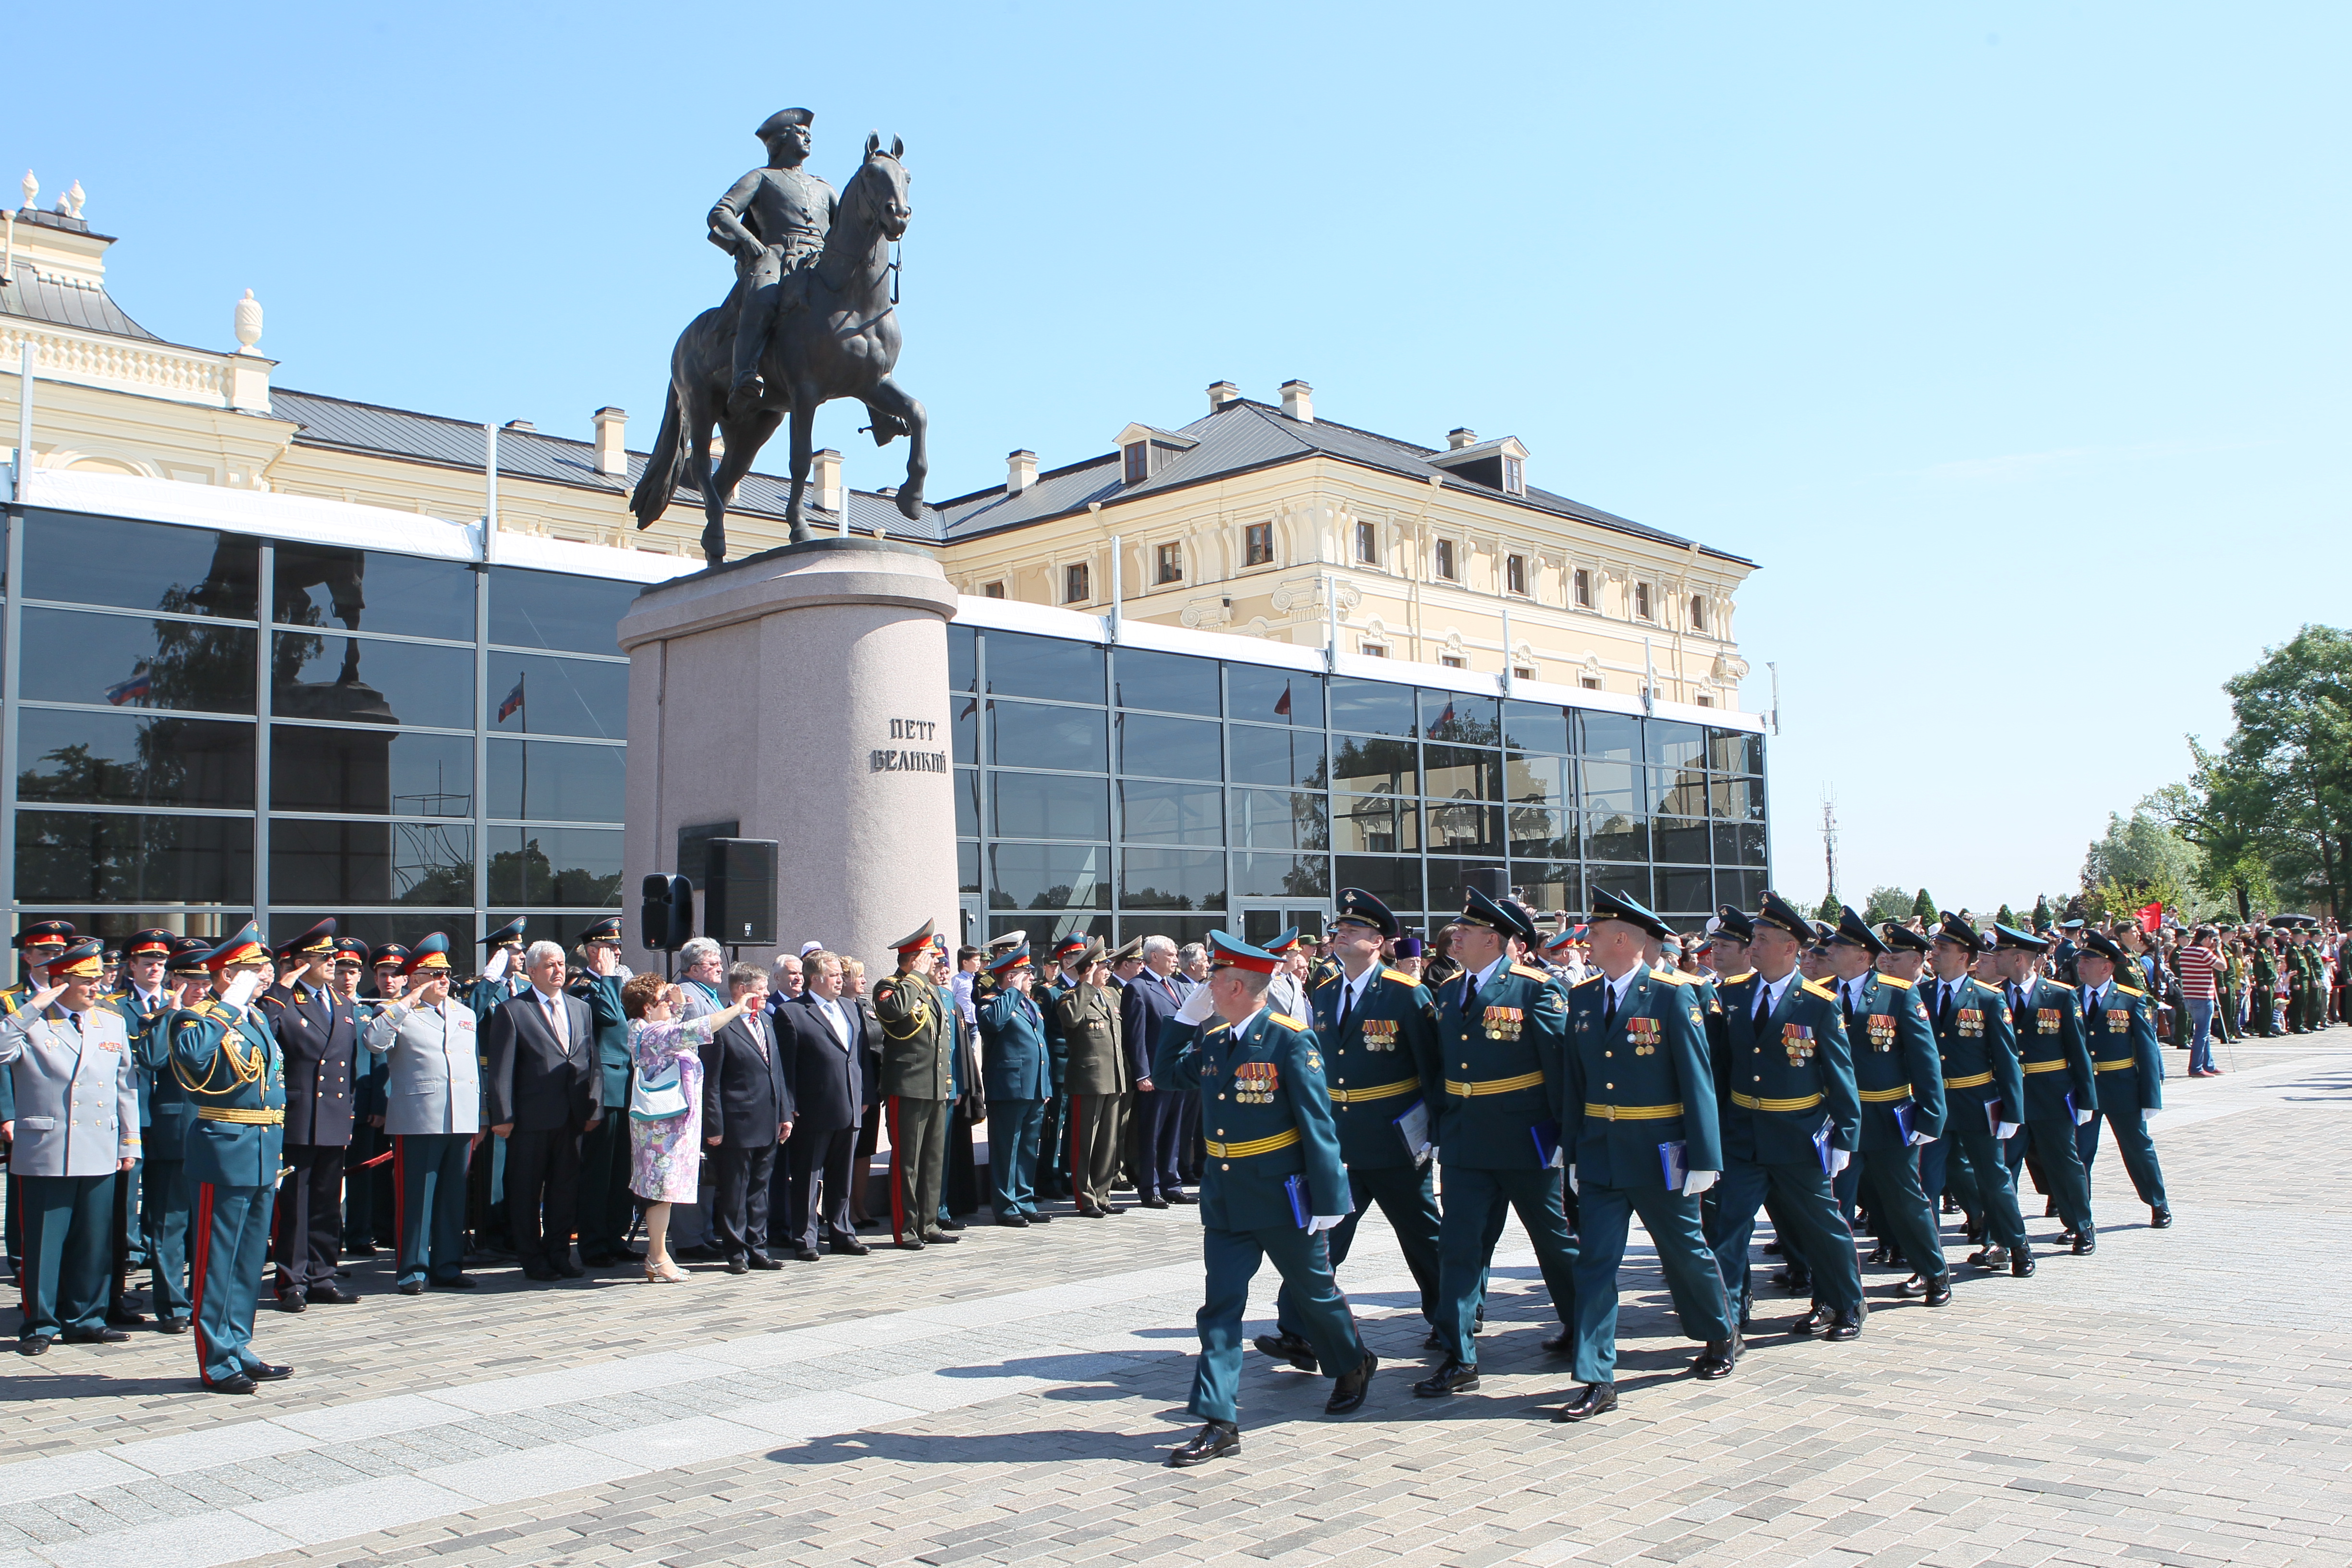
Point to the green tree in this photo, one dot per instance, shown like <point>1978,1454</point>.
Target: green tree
<point>1886,904</point>
<point>1829,909</point>
<point>2002,917</point>
<point>1923,906</point>
<point>2040,911</point>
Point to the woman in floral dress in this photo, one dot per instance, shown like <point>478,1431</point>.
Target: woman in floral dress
<point>664,1152</point>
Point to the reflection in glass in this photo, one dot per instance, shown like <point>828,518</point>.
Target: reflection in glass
<point>1166,681</point>
<point>1049,876</point>
<point>1264,696</point>
<point>1372,706</point>
<point>1540,835</point>
<point>963,658</point>
<point>1051,806</point>
<point>1546,886</point>
<point>1456,716</point>
<point>140,566</point>
<point>550,780</point>
<point>1022,734</point>
<point>1282,877</point>
<point>127,662</point>
<point>117,857</point>
<point>1682,791</point>
<point>1365,767</point>
<point>1736,800</point>
<point>1044,930</point>
<point>576,866</point>
<point>1177,928</point>
<point>1021,666</point>
<point>1394,879</point>
<point>409,929</point>
<point>370,769</point>
<point>132,759</point>
<point>1614,788</point>
<point>1458,772</point>
<point>1171,879</point>
<point>1374,825</point>
<point>1614,736</point>
<point>1279,757</point>
<point>536,694</point>
<point>963,729</point>
<point>1539,781</point>
<point>967,867</point>
<point>1745,888</point>
<point>361,680</point>
<point>1674,744</point>
<point>1634,881</point>
<point>556,610</point>
<point>323,585</point>
<point>1537,727</point>
<point>1464,827</point>
<point>1446,882</point>
<point>1615,837</point>
<point>1735,752</point>
<point>1171,813</point>
<point>1278,819</point>
<point>1684,890</point>
<point>1680,838</point>
<point>1739,844</point>
<point>1169,748</point>
<point>344,863</point>
<point>967,801</point>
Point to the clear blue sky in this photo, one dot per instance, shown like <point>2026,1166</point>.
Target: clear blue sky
<point>2011,339</point>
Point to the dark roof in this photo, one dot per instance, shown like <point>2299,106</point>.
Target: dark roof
<point>1242,436</point>
<point>64,304</point>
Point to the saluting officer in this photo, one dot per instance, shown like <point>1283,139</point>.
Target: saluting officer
<point>429,1042</point>
<point>1053,1174</point>
<point>166,1199</point>
<point>606,1207</point>
<point>2060,1097</point>
<point>141,993</point>
<point>918,1079</point>
<point>228,1063</point>
<point>319,1032</point>
<point>2120,1024</point>
<point>1501,1090</point>
<point>1899,1079</point>
<point>1792,1121</point>
<point>1272,1184</point>
<point>1378,1028</point>
<point>1090,1021</point>
<point>1018,1076</point>
<point>37,943</point>
<point>1984,1093</point>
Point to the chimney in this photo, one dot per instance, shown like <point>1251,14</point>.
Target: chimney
<point>1020,471</point>
<point>1298,401</point>
<point>1460,435</point>
<point>612,451</point>
<point>522,424</point>
<point>825,474</point>
<point>1221,393</point>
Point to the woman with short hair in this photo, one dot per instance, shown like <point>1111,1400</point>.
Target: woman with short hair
<point>665,1107</point>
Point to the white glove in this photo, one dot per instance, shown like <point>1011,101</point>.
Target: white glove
<point>241,989</point>
<point>2006,1130</point>
<point>497,967</point>
<point>1571,1179</point>
<point>1917,1139</point>
<point>1839,1160</point>
<point>1197,1006</point>
<point>1324,1222</point>
<point>1698,1181</point>
<point>2144,1115</point>
<point>2083,1118</point>
<point>1559,1161</point>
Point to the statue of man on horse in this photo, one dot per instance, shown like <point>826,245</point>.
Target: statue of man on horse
<point>812,317</point>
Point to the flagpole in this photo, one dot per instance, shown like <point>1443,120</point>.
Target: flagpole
<point>523,706</point>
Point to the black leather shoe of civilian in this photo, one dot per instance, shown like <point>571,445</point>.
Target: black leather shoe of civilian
<point>810,1254</point>
<point>1348,1396</point>
<point>329,1296</point>
<point>1453,1377</point>
<point>939,1238</point>
<point>288,1301</point>
<point>1154,1201</point>
<point>1593,1399</point>
<point>850,1247</point>
<point>542,1273</point>
<point>1176,1195</point>
<point>567,1269</point>
<point>737,1266</point>
<point>1213,1441</point>
<point>1287,1347</point>
<point>762,1261</point>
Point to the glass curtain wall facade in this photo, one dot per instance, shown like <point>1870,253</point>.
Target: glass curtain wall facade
<point>206,726</point>
<point>1120,791</point>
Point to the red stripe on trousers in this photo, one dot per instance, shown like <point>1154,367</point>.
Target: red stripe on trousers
<point>897,1144</point>
<point>196,1290</point>
<point>400,1203</point>
<point>277,1238</point>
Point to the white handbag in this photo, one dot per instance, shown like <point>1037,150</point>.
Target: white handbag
<point>658,1098</point>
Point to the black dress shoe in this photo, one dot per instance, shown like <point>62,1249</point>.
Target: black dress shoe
<point>2050,1209</point>
<point>412,1287</point>
<point>1347,1396</point>
<point>32,1344</point>
<point>806,1255</point>
<point>597,1260</point>
<point>105,1335</point>
<point>951,1223</point>
<point>1717,1358</point>
<point>1287,1347</point>
<point>939,1238</point>
<point>850,1247</point>
<point>1878,1257</point>
<point>1213,1441</point>
<point>1452,1377</point>
<point>737,1266</point>
<point>329,1296</point>
<point>360,1249</point>
<point>2159,1219</point>
<point>700,1252</point>
<point>1593,1399</point>
<point>2086,1242</point>
<point>1795,1281</point>
<point>1915,1286</point>
<point>171,1323</point>
<point>1017,1222</point>
<point>1154,1201</point>
<point>567,1269</point>
<point>288,1301</point>
<point>1772,1249</point>
<point>124,1318</point>
<point>1174,1196</point>
<point>2021,1264</point>
<point>542,1273</point>
<point>1989,1257</point>
<point>911,1243</point>
<point>1939,1294</point>
<point>1812,1322</point>
<point>1846,1325</point>
<point>455,1282</point>
<point>1033,1217</point>
<point>235,1383</point>
<point>762,1261</point>
<point>1560,1343</point>
<point>628,1255</point>
<point>265,1373</point>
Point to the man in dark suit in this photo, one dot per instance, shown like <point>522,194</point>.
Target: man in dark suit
<point>319,1034</point>
<point>544,1088</point>
<point>747,1111</point>
<point>819,1037</point>
<point>1149,1000</point>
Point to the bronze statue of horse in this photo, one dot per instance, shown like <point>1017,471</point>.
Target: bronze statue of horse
<point>837,338</point>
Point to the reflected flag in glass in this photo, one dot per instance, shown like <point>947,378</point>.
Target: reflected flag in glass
<point>134,690</point>
<point>514,704</point>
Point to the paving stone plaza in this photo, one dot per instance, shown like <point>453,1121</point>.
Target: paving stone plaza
<point>2180,1399</point>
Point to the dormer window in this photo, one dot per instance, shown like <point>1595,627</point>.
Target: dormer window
<point>1499,465</point>
<point>1698,612</point>
<point>1143,451</point>
<point>1135,462</point>
<point>1584,588</point>
<point>1257,544</point>
<point>1515,475</point>
<point>1075,590</point>
<point>1171,564</point>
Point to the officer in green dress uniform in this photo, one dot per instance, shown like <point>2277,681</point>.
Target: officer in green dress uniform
<point>1984,1093</point>
<point>230,1065</point>
<point>317,1033</point>
<point>1272,1184</point>
<point>367,1169</point>
<point>1899,1079</point>
<point>1789,1120</point>
<point>165,1198</point>
<point>1378,1028</point>
<point>37,943</point>
<point>486,1175</point>
<point>2060,1096</point>
<point>2119,1023</point>
<point>606,1209</point>
<point>917,1086</point>
<point>1647,1141</point>
<point>1054,1136</point>
<point>1018,1074</point>
<point>141,993</point>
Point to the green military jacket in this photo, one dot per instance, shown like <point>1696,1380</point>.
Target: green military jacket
<point>1894,1061</point>
<point>1638,1081</point>
<point>1094,1055</point>
<point>2120,1029</point>
<point>1788,1079</point>
<point>918,1041</point>
<point>230,1065</point>
<point>2051,1052</point>
<point>1379,1064</point>
<point>1979,1051</point>
<point>1265,1116</point>
<point>1502,1089</point>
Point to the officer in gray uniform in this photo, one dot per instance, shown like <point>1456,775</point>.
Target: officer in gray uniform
<point>773,221</point>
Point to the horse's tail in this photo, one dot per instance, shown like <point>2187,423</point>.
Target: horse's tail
<point>659,483</point>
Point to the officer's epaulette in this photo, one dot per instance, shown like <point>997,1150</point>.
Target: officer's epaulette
<point>1744,975</point>
<point>8,999</point>
<point>2129,992</point>
<point>116,997</point>
<point>1299,1023</point>
<point>1820,990</point>
<point>1529,969</point>
<point>1588,980</point>
<point>1671,976</point>
<point>271,996</point>
<point>1897,982</point>
<point>1400,976</point>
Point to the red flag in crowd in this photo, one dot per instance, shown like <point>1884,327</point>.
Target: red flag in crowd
<point>2151,917</point>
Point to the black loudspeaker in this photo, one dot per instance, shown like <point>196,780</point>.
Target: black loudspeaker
<point>666,920</point>
<point>739,892</point>
<point>1491,881</point>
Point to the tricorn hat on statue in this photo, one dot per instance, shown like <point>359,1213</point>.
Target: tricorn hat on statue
<point>782,121</point>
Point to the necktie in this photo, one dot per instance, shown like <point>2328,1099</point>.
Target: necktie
<point>1944,1008</point>
<point>555,1020</point>
<point>1852,998</point>
<point>1347,1002</point>
<point>1616,999</point>
<point>1469,990</point>
<point>1763,1004</point>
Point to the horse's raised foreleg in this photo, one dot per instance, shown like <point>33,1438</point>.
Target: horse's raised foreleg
<point>889,397</point>
<point>804,402</point>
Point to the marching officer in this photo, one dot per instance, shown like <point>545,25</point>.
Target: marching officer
<point>318,1034</point>
<point>1378,1027</point>
<point>1647,1142</point>
<point>1984,1093</point>
<point>2120,1024</point>
<point>2060,1095</point>
<point>917,1081</point>
<point>230,1065</point>
<point>1272,1184</point>
<point>141,993</point>
<point>1792,1120</point>
<point>1090,1021</point>
<point>1018,1075</point>
<point>1500,1025</point>
<point>1899,1080</point>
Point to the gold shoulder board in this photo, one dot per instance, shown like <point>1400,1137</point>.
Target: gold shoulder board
<point>1671,976</point>
<point>1899,983</point>
<point>1744,974</point>
<point>1400,976</point>
<point>1820,990</point>
<point>1297,1024</point>
<point>1588,980</point>
<point>1530,971</point>
<point>2129,992</point>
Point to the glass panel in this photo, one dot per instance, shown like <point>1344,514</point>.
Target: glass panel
<point>1394,879</point>
<point>1736,800</point>
<point>963,658</point>
<point>69,857</point>
<point>1373,707</point>
<point>967,799</point>
<point>1384,767</point>
<point>1682,791</point>
<point>1735,752</point>
<point>1537,727</point>
<point>140,566</point>
<point>1745,888</point>
<point>1739,844</point>
<point>1171,879</point>
<point>575,866</point>
<point>1374,825</point>
<point>322,585</point>
<point>408,930</point>
<point>1549,887</point>
<point>1632,880</point>
<point>1456,716</point>
<point>1177,928</point>
<point>375,770</point>
<point>1021,666</point>
<point>1172,814</point>
<point>1045,932</point>
<point>1683,891</point>
<point>1539,781</point>
<point>1616,736</point>
<point>1614,836</point>
<point>1282,876</point>
<point>1171,748</point>
<point>362,681</point>
<point>1446,878</point>
<point>1166,681</point>
<point>963,730</point>
<point>1049,876</point>
<point>557,610</point>
<point>72,657</point>
<point>1051,806</point>
<point>1680,838</point>
<point>1537,834</point>
<point>339,863</point>
<point>1275,819</point>
<point>558,697</point>
<point>967,867</point>
<point>132,759</point>
<point>1461,827</point>
<point>1677,745</point>
<point>1456,772</point>
<point>1274,696</point>
<point>1071,738</point>
<point>1282,757</point>
<point>1613,787</point>
<point>549,780</point>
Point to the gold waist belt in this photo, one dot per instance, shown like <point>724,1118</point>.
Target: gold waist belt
<point>244,1118</point>
<point>1633,1112</point>
<point>2116,1066</point>
<point>1282,1140</point>
<point>1494,1085</point>
<point>1977,1081</point>
<point>1884,1096</point>
<point>2057,1065</point>
<point>1755,1102</point>
<point>1382,1091</point>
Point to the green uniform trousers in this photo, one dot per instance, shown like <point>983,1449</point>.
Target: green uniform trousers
<point>919,1157</point>
<point>1604,1214</point>
<point>1097,1136</point>
<point>69,1252</point>
<point>1901,1210</point>
<point>1232,1258</point>
<point>1475,1203</point>
<point>163,1203</point>
<point>1979,1161</point>
<point>429,1207</point>
<point>232,1236</point>
<point>2137,1149</point>
<point>2060,1161</point>
<point>1806,1213</point>
<point>1404,1194</point>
